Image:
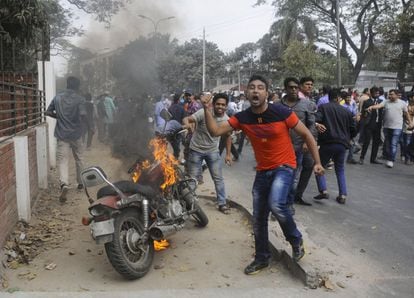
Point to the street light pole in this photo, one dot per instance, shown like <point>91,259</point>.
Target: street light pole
<point>204,61</point>
<point>338,45</point>
<point>155,24</point>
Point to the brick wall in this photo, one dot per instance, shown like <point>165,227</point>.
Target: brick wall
<point>8,201</point>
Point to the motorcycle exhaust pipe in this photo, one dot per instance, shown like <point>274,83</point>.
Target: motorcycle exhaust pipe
<point>162,232</point>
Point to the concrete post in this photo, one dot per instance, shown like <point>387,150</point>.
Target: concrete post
<point>21,154</point>
<point>50,90</point>
<point>41,149</point>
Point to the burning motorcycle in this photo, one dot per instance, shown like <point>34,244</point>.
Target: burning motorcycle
<point>128,216</point>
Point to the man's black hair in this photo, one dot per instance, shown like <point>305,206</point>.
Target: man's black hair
<point>396,91</point>
<point>221,95</point>
<point>306,79</point>
<point>290,79</point>
<point>326,89</point>
<point>72,83</point>
<point>334,93</point>
<point>257,77</point>
<point>176,98</point>
<point>344,94</point>
<point>374,89</point>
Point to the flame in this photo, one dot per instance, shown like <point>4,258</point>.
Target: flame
<point>161,245</point>
<point>138,170</point>
<point>166,159</point>
<point>163,157</point>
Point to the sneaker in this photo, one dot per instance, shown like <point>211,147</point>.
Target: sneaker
<point>298,252</point>
<point>255,267</point>
<point>224,209</point>
<point>80,186</point>
<point>389,164</point>
<point>64,189</point>
<point>361,161</point>
<point>341,199</point>
<point>322,196</point>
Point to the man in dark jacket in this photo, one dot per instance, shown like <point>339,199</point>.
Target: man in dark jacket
<point>178,113</point>
<point>371,126</point>
<point>336,129</point>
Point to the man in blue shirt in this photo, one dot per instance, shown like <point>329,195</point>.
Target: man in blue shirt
<point>68,107</point>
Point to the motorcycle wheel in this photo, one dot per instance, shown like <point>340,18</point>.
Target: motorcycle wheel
<point>200,216</point>
<point>129,259</point>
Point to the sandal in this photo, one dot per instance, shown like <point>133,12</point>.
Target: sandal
<point>224,209</point>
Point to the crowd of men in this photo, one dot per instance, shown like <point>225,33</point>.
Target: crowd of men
<point>293,133</point>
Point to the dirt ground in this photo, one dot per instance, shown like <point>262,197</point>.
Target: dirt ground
<point>55,252</point>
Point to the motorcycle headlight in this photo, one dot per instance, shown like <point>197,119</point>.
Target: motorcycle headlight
<point>97,211</point>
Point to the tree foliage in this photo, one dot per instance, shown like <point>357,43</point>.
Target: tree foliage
<point>360,23</point>
<point>301,59</point>
<point>397,32</point>
<point>103,10</point>
<point>182,69</point>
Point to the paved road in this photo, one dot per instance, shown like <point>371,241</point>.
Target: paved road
<point>373,234</point>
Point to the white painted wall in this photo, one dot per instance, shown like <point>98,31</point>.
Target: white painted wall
<point>41,150</point>
<point>21,154</point>
<point>50,86</point>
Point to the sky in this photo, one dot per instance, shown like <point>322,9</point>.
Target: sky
<point>228,23</point>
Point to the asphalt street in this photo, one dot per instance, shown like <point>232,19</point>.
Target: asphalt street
<point>373,232</point>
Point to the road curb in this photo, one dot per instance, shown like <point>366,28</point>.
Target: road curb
<point>302,271</point>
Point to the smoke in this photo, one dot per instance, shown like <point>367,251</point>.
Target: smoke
<point>127,25</point>
<point>134,68</point>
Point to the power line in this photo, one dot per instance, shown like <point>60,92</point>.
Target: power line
<point>194,32</point>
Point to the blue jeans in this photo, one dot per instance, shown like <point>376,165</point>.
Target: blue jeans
<point>392,137</point>
<point>213,161</point>
<point>408,138</point>
<point>336,152</point>
<point>270,194</point>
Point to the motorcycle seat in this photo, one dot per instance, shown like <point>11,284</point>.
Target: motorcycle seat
<point>127,187</point>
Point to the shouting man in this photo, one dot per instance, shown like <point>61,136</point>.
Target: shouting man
<point>267,126</point>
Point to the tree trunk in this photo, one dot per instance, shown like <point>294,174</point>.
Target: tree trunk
<point>358,65</point>
<point>403,59</point>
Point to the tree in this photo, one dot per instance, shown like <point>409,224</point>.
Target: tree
<point>103,10</point>
<point>182,69</point>
<point>358,24</point>
<point>397,30</point>
<point>301,59</point>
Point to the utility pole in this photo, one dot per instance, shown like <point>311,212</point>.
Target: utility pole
<point>338,45</point>
<point>238,76</point>
<point>204,59</point>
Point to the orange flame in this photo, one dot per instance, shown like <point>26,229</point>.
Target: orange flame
<point>161,245</point>
<point>166,159</point>
<point>138,170</point>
